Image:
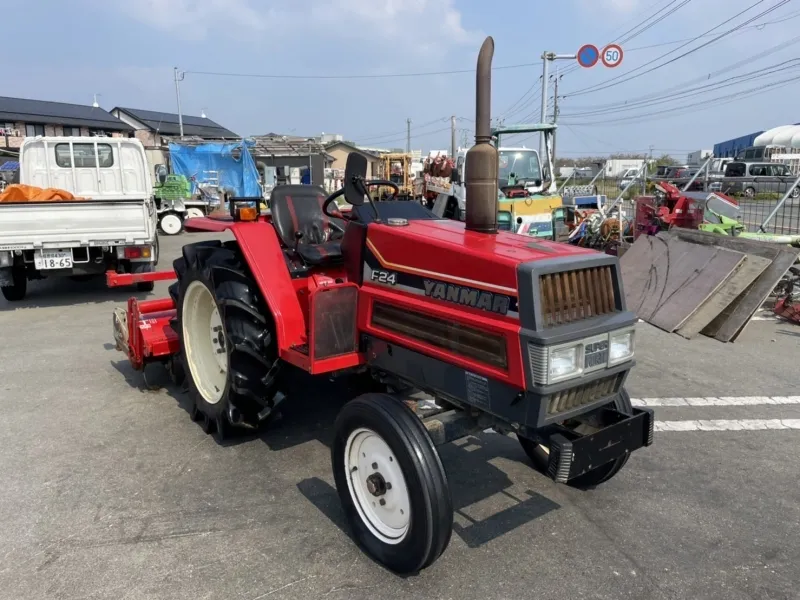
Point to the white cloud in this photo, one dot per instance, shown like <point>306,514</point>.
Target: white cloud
<point>196,19</point>
<point>420,26</point>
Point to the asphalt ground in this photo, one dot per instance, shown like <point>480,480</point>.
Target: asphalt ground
<point>109,490</point>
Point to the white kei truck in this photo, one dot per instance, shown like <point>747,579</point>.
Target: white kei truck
<point>113,226</point>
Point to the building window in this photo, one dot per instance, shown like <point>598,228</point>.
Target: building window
<point>84,156</point>
<point>34,130</point>
<point>72,131</point>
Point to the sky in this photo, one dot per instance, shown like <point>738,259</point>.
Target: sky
<point>232,50</point>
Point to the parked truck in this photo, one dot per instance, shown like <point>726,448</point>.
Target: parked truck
<point>110,225</point>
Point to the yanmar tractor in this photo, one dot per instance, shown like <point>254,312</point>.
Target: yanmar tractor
<point>527,337</point>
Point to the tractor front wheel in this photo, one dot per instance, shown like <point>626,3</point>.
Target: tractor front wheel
<point>540,455</point>
<point>391,483</point>
<point>228,345</point>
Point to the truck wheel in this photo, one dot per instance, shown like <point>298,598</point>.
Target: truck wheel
<point>193,213</point>
<point>227,340</point>
<point>391,483</point>
<point>539,456</point>
<point>171,223</point>
<point>19,287</point>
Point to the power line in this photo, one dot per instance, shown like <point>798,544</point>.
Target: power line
<point>683,85</point>
<point>355,76</point>
<point>689,92</point>
<point>399,132</point>
<point>621,39</point>
<point>625,77</point>
<point>706,104</point>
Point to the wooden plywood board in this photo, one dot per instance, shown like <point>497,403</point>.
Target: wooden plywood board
<point>731,322</point>
<point>740,280</point>
<point>667,279</point>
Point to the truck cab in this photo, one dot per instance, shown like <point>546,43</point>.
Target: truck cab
<point>526,186</point>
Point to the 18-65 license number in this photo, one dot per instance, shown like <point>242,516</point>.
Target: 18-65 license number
<point>53,259</point>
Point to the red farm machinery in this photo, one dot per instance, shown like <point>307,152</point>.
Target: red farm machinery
<point>529,338</point>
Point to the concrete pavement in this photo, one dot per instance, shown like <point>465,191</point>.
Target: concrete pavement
<point>110,491</point>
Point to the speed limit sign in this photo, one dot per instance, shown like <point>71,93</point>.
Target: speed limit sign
<point>611,55</point>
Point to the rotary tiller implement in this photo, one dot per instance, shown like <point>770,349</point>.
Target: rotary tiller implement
<point>527,337</point>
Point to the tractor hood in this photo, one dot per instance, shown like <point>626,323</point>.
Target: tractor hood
<point>444,249</point>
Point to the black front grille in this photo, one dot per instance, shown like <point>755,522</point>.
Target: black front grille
<point>583,394</point>
<point>572,296</point>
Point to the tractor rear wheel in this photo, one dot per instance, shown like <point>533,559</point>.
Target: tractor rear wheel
<point>391,483</point>
<point>540,456</point>
<point>227,338</point>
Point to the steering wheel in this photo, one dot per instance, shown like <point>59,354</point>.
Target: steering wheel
<point>366,184</point>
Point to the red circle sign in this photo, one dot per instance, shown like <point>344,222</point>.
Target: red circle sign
<point>611,55</point>
<point>588,55</point>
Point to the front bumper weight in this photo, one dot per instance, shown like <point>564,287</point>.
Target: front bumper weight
<point>573,454</point>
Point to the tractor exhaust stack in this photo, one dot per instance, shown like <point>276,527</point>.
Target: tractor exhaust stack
<point>481,165</point>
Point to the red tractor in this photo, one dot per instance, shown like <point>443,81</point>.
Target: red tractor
<point>527,337</point>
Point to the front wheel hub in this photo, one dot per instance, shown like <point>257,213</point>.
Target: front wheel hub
<point>381,498</point>
<point>376,484</point>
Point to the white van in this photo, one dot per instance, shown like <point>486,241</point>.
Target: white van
<point>112,227</point>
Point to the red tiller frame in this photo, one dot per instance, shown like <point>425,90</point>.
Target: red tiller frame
<point>150,336</point>
<point>114,279</point>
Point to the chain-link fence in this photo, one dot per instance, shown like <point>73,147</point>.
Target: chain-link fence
<point>757,196</point>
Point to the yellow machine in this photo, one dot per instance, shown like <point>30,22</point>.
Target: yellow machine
<point>396,167</point>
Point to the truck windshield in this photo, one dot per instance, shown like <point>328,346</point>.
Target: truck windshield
<point>523,164</point>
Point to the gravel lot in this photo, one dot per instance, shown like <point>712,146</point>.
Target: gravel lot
<point>110,491</point>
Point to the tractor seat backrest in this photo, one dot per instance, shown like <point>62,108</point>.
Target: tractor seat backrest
<point>299,208</point>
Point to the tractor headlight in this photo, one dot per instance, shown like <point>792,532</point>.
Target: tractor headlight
<point>620,347</point>
<point>564,363</point>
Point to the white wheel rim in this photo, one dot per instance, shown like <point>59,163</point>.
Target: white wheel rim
<point>193,213</point>
<point>171,224</point>
<point>365,450</point>
<point>204,342</point>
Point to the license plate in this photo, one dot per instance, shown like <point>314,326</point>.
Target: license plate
<point>53,259</point>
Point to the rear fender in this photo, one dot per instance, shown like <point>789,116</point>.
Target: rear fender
<point>262,252</point>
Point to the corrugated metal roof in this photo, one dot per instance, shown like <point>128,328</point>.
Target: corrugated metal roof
<point>44,111</point>
<point>276,145</point>
<point>169,124</point>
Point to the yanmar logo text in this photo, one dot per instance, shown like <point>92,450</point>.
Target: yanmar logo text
<point>496,303</point>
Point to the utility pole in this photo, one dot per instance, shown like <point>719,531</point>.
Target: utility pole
<point>453,147</point>
<point>555,113</point>
<point>179,77</point>
<point>408,136</point>
<point>547,57</point>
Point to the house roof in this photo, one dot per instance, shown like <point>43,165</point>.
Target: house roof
<point>367,153</point>
<point>62,113</point>
<point>169,124</point>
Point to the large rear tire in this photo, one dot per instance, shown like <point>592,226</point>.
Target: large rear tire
<point>391,483</point>
<point>539,455</point>
<point>227,339</point>
<point>19,286</point>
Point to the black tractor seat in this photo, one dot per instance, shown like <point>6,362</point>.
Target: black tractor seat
<point>298,208</point>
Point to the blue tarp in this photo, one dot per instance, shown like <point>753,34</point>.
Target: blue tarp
<point>235,171</point>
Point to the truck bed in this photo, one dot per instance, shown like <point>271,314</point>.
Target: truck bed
<point>59,224</point>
